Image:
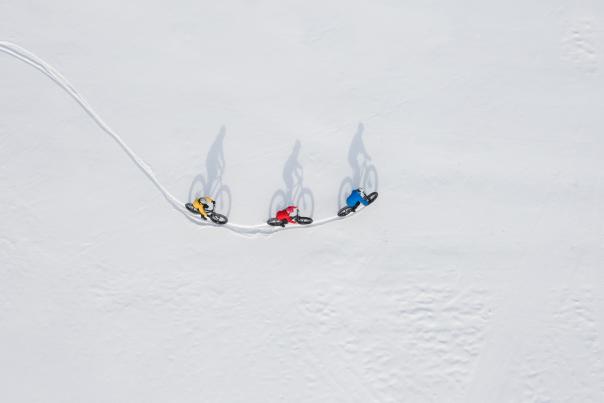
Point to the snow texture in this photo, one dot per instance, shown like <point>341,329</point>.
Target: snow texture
<point>476,276</point>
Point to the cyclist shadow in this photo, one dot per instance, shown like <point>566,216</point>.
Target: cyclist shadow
<point>364,173</point>
<point>294,193</point>
<point>211,184</point>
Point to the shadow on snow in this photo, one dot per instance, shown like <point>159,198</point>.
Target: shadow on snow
<point>294,193</point>
<point>211,184</point>
<point>364,173</point>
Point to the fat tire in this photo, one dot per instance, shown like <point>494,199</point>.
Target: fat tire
<point>192,209</point>
<point>344,211</point>
<point>371,197</point>
<point>274,222</point>
<point>304,220</point>
<point>218,218</point>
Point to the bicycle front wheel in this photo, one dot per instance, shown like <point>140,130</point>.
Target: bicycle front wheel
<point>304,220</point>
<point>371,197</point>
<point>218,218</point>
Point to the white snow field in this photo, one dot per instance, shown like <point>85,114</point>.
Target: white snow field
<point>476,276</point>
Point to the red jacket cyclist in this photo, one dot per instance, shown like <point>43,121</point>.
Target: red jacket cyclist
<point>288,215</point>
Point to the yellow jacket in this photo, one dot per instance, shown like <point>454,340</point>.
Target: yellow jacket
<point>199,205</point>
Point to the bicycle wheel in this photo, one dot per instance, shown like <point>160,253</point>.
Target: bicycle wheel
<point>274,222</point>
<point>192,209</point>
<point>344,211</point>
<point>371,197</point>
<point>218,218</point>
<point>304,220</point>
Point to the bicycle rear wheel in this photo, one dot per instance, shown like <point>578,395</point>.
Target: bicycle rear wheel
<point>192,209</point>
<point>274,222</point>
<point>344,211</point>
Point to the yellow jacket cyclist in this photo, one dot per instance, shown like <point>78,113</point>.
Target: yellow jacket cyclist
<point>204,205</point>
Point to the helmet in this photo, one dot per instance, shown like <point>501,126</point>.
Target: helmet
<point>361,189</point>
<point>291,210</point>
<point>207,202</point>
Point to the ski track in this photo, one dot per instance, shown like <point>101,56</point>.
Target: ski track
<point>28,57</point>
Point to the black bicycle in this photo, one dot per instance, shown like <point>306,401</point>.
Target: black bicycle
<point>215,217</point>
<point>298,219</point>
<point>344,211</point>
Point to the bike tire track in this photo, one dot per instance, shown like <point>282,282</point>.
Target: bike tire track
<point>36,62</point>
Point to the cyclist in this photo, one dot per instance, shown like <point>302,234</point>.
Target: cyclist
<point>287,215</point>
<point>357,197</point>
<point>204,205</point>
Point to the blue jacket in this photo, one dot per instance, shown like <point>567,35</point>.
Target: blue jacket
<point>356,197</point>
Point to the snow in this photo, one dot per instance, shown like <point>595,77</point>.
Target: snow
<point>476,276</point>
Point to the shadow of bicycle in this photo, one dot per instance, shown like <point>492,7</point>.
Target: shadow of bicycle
<point>294,193</point>
<point>364,173</point>
<point>211,184</point>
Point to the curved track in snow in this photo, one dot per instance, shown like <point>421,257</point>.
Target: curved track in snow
<point>26,56</point>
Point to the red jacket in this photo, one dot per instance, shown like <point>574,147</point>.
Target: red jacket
<point>284,214</point>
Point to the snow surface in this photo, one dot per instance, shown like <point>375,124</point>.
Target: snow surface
<point>475,277</point>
